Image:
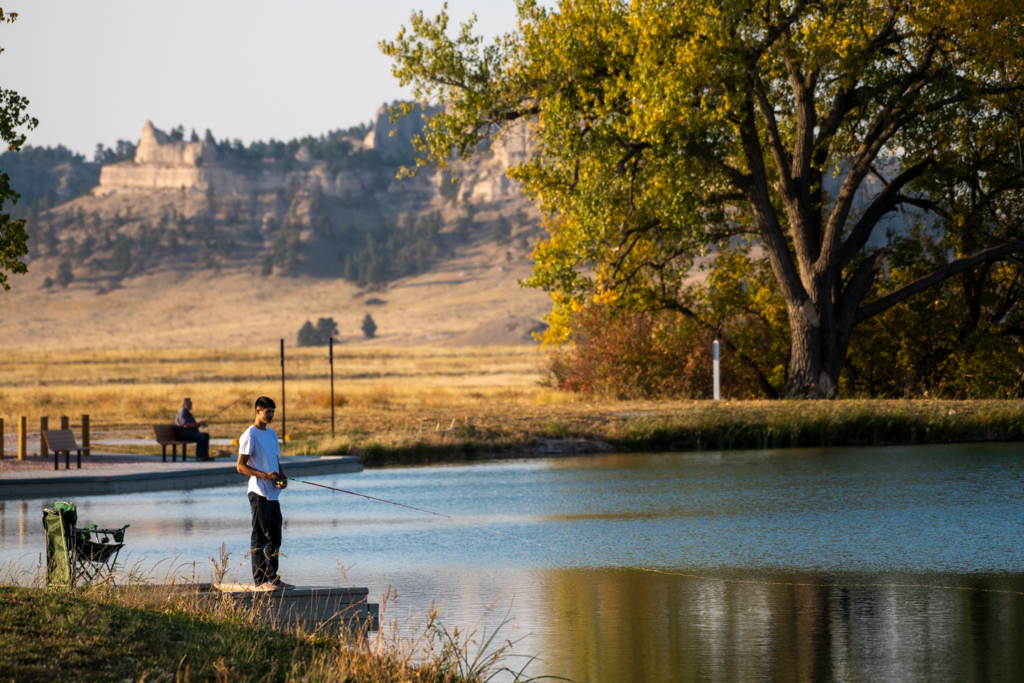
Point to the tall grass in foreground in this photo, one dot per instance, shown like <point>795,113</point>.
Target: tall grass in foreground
<point>175,631</point>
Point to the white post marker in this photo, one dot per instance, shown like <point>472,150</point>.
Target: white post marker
<point>718,375</point>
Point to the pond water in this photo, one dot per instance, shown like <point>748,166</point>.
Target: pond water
<point>885,564</point>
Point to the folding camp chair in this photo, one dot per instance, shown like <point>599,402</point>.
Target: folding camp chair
<point>75,554</point>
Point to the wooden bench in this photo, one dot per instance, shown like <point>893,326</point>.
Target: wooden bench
<point>165,436</point>
<point>62,441</point>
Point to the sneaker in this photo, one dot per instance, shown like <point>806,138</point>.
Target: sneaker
<point>269,586</point>
<point>281,585</point>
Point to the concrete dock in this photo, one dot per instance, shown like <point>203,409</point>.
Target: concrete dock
<point>150,474</point>
<point>310,608</point>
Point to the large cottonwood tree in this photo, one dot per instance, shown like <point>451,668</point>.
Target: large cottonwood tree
<point>13,238</point>
<point>662,129</point>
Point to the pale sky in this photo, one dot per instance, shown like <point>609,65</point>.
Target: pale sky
<point>95,71</point>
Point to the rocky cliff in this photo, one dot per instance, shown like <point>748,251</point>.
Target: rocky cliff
<point>330,206</point>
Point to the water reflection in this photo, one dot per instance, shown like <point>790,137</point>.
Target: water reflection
<point>629,625</point>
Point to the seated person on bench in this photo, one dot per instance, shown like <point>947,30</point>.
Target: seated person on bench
<point>186,428</point>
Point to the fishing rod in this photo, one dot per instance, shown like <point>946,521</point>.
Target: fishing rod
<point>240,398</point>
<point>363,495</point>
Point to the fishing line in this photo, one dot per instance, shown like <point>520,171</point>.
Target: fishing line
<point>561,551</point>
<point>363,495</point>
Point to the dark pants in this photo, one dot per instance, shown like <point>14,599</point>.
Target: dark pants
<point>200,439</point>
<point>266,537</point>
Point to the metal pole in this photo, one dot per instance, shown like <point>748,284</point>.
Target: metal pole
<point>284,425</point>
<point>718,375</point>
<point>330,357</point>
<point>85,435</point>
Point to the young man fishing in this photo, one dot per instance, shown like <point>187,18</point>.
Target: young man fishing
<point>259,457</point>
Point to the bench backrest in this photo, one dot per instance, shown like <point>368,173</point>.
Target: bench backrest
<point>165,434</point>
<point>61,440</point>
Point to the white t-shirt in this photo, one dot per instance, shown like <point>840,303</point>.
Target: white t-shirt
<point>261,447</point>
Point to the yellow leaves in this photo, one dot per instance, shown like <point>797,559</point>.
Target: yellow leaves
<point>606,296</point>
<point>560,320</point>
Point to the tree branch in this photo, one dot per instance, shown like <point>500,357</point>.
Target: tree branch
<point>755,189</point>
<point>881,129</point>
<point>886,201</point>
<point>944,273</point>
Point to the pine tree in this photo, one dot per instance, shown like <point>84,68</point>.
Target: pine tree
<point>121,259</point>
<point>64,274</point>
<point>369,327</point>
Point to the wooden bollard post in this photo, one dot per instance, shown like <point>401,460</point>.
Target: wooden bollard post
<point>65,423</point>
<point>85,435</point>
<point>22,437</point>
<point>44,424</point>
<point>1,438</point>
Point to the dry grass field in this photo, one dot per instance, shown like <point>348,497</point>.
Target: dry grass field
<point>417,404</point>
<point>126,391</point>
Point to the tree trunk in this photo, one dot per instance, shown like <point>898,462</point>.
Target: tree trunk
<point>816,354</point>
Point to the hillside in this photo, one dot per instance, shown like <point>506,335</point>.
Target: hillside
<point>215,244</point>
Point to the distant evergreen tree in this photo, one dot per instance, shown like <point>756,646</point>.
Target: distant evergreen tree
<point>369,327</point>
<point>194,137</point>
<point>317,201</point>
<point>319,335</point>
<point>325,329</point>
<point>307,335</point>
<point>503,228</point>
<point>268,266</point>
<point>286,246</point>
<point>124,150</point>
<point>121,258</point>
<point>64,274</point>
<point>322,225</point>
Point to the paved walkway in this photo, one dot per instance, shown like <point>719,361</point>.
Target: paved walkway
<point>33,463</point>
<point>113,473</point>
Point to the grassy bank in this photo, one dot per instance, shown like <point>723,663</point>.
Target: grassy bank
<point>669,426</point>
<point>127,635</point>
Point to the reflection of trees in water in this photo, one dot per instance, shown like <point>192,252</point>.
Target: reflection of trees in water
<point>630,625</point>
